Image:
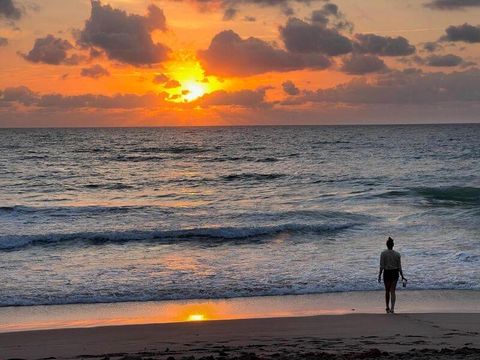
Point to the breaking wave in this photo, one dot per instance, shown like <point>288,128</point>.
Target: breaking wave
<point>206,235</point>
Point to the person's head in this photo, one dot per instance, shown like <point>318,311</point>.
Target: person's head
<point>390,243</point>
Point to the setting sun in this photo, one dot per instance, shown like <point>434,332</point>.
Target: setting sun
<point>194,90</point>
<point>186,71</point>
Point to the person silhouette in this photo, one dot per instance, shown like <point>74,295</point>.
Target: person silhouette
<point>391,267</point>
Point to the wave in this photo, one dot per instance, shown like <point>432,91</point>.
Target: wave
<point>241,158</point>
<point>207,235</point>
<point>461,195</point>
<point>467,257</point>
<point>117,186</point>
<point>232,178</point>
<point>133,158</point>
<point>173,150</point>
<point>77,210</point>
<point>152,293</point>
<point>251,176</point>
<point>458,194</point>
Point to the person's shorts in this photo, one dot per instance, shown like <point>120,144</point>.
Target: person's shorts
<point>390,275</point>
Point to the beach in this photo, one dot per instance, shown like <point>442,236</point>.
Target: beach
<point>350,336</point>
<point>432,324</point>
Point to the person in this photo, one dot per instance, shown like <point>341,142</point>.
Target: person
<point>391,267</point>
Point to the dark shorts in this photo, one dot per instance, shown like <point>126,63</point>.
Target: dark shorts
<point>390,275</point>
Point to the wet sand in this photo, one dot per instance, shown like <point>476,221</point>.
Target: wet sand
<point>138,313</point>
<point>350,336</point>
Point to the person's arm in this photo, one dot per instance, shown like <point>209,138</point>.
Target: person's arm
<point>382,266</point>
<point>400,267</point>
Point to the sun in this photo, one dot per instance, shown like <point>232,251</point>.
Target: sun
<point>193,90</point>
<point>186,70</point>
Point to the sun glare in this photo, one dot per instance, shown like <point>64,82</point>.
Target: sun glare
<point>196,317</point>
<point>191,76</point>
<point>194,90</point>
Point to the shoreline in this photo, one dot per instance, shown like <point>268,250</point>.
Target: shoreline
<point>30,318</point>
<point>446,336</point>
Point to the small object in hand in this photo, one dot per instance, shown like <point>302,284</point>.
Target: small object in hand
<point>404,282</point>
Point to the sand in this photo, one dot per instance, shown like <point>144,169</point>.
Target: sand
<point>350,336</point>
<point>24,318</point>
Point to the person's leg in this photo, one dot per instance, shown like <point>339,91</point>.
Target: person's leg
<point>387,294</point>
<point>393,296</point>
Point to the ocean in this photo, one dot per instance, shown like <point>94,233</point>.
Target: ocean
<point>116,215</point>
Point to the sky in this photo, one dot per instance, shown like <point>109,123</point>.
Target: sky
<point>82,63</point>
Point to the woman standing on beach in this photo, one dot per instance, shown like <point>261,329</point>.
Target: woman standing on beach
<point>391,266</point>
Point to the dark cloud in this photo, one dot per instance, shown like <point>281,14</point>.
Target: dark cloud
<point>51,50</point>
<point>95,71</point>
<point>9,10</point>
<point>3,41</point>
<point>431,46</point>
<point>466,33</point>
<point>404,87</point>
<point>230,55</point>
<point>19,94</point>
<point>452,4</point>
<point>290,88</point>
<point>362,64</point>
<point>25,96</point>
<point>241,98</point>
<point>444,60</point>
<point>172,84</point>
<point>125,37</point>
<point>382,45</point>
<point>250,18</point>
<point>302,37</point>
<point>230,7</point>
<point>160,79</point>
<point>230,13</point>
<point>329,14</point>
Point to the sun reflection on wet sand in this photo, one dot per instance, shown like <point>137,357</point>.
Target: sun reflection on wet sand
<point>92,315</point>
<point>196,317</point>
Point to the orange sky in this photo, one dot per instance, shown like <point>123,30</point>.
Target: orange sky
<point>144,63</point>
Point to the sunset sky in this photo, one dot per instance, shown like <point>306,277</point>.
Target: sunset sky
<point>245,62</point>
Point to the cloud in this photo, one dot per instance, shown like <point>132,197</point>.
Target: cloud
<point>382,45</point>
<point>362,64</point>
<point>160,79</point>
<point>431,46</point>
<point>241,98</point>
<point>51,50</point>
<point>125,37</point>
<point>230,13</point>
<point>9,11</point>
<point>466,33</point>
<point>25,96</point>
<point>302,37</point>
<point>3,41</point>
<point>404,87</point>
<point>290,88</point>
<point>95,71</point>
<point>444,60</point>
<point>230,7</point>
<point>230,55</point>
<point>19,94</point>
<point>172,84</point>
<point>452,4</point>
<point>329,12</point>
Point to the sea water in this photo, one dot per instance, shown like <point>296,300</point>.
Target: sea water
<point>115,215</point>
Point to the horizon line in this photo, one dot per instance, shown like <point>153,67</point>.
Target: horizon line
<point>236,126</point>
